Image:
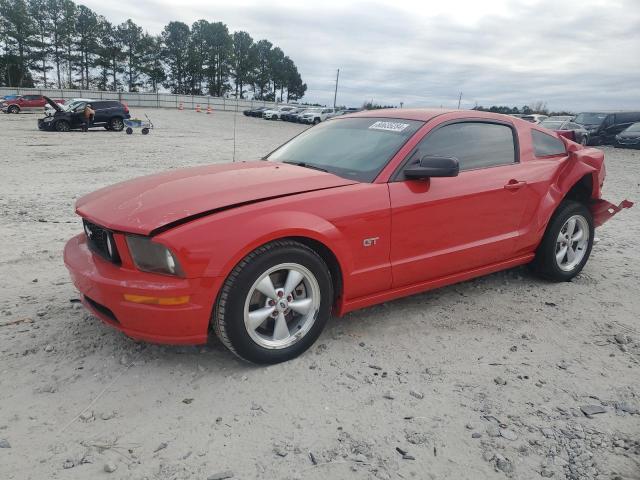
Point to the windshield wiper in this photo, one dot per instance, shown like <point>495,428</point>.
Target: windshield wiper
<point>307,165</point>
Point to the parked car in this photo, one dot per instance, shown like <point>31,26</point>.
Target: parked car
<point>291,114</point>
<point>73,103</point>
<point>579,133</point>
<point>534,118</point>
<point>630,137</point>
<point>27,103</point>
<point>558,118</point>
<point>7,98</point>
<point>255,112</point>
<point>295,117</point>
<point>110,114</point>
<point>275,113</point>
<point>360,210</point>
<point>603,127</point>
<point>316,115</point>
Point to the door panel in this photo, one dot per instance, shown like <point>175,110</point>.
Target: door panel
<point>443,226</point>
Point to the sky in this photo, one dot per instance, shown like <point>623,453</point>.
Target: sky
<point>575,55</point>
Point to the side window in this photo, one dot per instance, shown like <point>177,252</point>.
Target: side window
<point>474,144</point>
<point>545,145</point>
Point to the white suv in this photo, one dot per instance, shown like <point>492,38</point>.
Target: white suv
<point>316,115</point>
<point>275,113</point>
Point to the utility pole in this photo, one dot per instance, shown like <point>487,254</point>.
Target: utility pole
<point>335,95</point>
<point>459,100</point>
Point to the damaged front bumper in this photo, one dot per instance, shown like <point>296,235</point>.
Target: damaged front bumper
<point>602,210</point>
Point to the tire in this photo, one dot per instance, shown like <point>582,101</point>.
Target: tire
<point>549,261</point>
<point>62,126</point>
<point>316,121</point>
<point>116,124</point>
<point>145,131</point>
<point>240,296</point>
<point>129,130</point>
<point>13,109</point>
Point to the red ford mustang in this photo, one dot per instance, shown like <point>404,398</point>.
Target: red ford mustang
<point>356,211</point>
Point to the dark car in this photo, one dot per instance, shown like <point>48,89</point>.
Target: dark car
<point>291,115</point>
<point>110,114</point>
<point>630,137</point>
<point>604,126</point>
<point>580,134</point>
<point>255,112</point>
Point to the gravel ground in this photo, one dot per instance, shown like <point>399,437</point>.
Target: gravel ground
<point>490,378</point>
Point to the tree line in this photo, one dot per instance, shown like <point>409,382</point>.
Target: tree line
<point>59,44</point>
<point>536,107</point>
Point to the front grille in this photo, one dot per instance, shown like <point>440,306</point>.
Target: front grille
<point>101,241</point>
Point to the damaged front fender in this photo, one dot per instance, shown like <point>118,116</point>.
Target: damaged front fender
<point>602,210</point>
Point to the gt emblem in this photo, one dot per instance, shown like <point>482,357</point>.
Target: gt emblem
<point>370,242</point>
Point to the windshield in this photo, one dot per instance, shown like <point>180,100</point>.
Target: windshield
<point>590,118</point>
<point>353,148</point>
<point>634,128</point>
<point>551,125</point>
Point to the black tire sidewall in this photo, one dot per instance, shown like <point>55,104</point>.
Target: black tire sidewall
<point>545,257</point>
<point>59,123</point>
<point>247,274</point>
<point>120,124</point>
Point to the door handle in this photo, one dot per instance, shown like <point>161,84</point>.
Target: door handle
<point>514,184</point>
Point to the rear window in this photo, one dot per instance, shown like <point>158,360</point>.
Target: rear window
<point>545,145</point>
<point>103,105</point>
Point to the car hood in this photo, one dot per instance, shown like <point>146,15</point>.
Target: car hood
<point>150,204</point>
<point>53,104</point>
<point>629,134</point>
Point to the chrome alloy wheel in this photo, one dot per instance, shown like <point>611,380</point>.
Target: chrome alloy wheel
<point>282,306</point>
<point>572,243</point>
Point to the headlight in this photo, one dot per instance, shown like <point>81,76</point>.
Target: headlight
<point>153,257</point>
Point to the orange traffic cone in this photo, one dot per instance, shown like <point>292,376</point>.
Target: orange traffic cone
<point>198,108</point>
<point>181,107</point>
<point>209,110</point>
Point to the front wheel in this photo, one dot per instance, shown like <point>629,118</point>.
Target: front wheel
<point>316,121</point>
<point>13,109</point>
<point>566,244</point>
<point>116,124</point>
<point>275,303</point>
<point>129,130</point>
<point>145,131</point>
<point>62,126</point>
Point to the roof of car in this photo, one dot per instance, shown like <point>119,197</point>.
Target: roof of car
<point>424,114</point>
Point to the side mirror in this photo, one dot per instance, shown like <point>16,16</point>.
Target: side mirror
<point>433,166</point>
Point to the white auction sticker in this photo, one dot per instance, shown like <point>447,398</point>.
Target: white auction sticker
<point>389,126</point>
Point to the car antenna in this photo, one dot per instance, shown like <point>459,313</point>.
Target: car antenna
<point>235,115</point>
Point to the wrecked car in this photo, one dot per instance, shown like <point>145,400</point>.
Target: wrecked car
<point>110,114</point>
<point>364,209</point>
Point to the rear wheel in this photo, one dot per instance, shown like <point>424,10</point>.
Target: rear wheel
<point>62,126</point>
<point>13,109</point>
<point>116,124</point>
<point>129,130</point>
<point>275,303</point>
<point>566,244</point>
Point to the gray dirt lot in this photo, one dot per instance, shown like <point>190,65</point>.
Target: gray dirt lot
<point>483,379</point>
